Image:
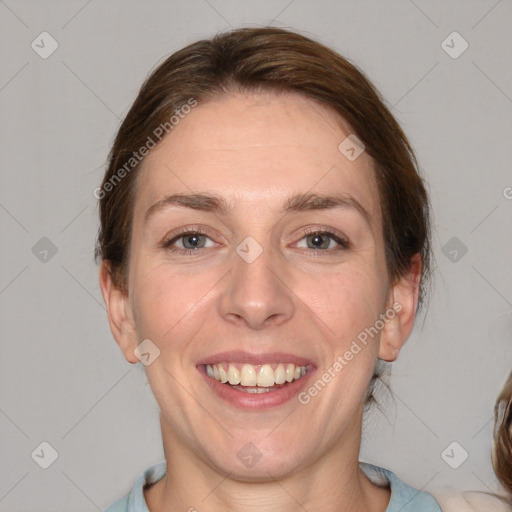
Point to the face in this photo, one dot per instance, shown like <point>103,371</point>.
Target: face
<point>273,290</point>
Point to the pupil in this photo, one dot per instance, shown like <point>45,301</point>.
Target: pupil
<point>193,237</point>
<point>317,240</point>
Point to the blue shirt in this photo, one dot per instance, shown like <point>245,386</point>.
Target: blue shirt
<point>404,498</point>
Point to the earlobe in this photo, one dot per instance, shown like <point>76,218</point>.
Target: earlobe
<point>403,300</point>
<point>391,339</point>
<point>119,313</point>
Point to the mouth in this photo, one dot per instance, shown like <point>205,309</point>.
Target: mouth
<point>247,383</point>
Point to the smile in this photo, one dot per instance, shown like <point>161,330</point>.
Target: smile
<point>256,381</point>
<point>255,378</point>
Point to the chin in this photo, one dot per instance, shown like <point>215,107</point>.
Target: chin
<point>258,462</point>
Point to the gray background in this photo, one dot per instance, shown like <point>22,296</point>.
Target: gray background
<point>63,380</point>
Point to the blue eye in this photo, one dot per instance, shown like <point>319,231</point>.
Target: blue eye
<point>194,240</point>
<point>320,245</point>
<point>191,238</point>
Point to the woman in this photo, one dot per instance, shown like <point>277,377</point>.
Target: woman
<point>265,247</point>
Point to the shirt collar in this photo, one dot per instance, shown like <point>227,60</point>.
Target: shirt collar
<point>404,498</point>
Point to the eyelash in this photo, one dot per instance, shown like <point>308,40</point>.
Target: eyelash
<point>337,237</point>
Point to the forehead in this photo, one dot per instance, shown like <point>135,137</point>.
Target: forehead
<point>257,147</point>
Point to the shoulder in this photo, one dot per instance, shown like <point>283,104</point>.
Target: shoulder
<point>134,501</point>
<point>120,505</point>
<point>404,498</point>
<point>471,501</point>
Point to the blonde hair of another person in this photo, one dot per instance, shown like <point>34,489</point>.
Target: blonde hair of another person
<point>502,442</point>
<point>474,501</point>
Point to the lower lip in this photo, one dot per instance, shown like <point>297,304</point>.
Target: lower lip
<point>265,400</point>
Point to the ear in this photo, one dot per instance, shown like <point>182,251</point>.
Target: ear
<point>403,300</point>
<point>119,311</point>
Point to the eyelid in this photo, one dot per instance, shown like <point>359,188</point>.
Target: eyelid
<point>323,229</point>
<point>181,232</point>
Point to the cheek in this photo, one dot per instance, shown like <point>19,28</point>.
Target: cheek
<point>169,305</point>
<point>347,301</point>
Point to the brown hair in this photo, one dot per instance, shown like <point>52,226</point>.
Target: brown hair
<point>502,446</point>
<point>268,58</point>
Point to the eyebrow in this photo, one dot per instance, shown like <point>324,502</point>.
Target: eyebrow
<point>208,202</point>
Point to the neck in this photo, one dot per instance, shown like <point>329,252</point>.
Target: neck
<point>333,483</point>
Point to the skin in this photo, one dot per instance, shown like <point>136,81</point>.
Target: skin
<point>256,150</point>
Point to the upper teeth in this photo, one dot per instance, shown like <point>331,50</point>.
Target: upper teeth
<point>255,375</point>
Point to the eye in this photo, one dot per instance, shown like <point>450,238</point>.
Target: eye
<point>191,241</point>
<point>318,240</point>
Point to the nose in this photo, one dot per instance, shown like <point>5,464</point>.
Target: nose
<point>256,292</point>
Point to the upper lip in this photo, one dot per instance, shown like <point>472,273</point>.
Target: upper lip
<point>255,358</point>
